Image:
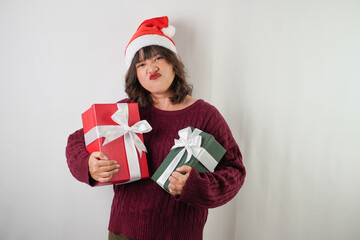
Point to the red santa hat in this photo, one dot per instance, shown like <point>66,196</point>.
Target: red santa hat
<point>154,31</point>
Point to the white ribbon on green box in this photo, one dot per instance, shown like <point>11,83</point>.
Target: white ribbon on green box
<point>190,141</point>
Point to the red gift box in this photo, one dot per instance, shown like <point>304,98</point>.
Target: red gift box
<point>116,130</point>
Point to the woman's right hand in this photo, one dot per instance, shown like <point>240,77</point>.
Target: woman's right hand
<point>101,169</point>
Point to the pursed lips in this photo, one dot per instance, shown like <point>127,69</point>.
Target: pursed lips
<point>154,76</point>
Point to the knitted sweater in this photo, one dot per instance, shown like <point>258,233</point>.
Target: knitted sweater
<point>142,209</point>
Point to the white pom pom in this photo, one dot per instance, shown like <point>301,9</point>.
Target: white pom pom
<point>169,31</point>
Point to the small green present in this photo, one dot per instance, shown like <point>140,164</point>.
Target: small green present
<point>194,148</point>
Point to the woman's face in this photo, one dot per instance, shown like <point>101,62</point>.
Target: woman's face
<point>155,74</point>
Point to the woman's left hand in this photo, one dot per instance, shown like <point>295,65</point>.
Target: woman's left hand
<point>178,180</point>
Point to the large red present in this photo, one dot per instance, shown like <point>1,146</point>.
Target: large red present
<point>116,130</point>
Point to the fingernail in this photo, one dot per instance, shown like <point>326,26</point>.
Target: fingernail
<point>117,165</point>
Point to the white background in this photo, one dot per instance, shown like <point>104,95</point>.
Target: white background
<point>285,75</point>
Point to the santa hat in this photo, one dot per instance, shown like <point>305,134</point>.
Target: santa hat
<point>155,31</point>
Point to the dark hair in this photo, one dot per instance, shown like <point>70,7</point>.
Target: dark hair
<point>179,86</point>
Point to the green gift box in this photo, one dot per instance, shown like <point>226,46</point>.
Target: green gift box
<point>194,148</point>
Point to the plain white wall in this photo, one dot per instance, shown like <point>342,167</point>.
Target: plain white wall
<point>285,75</point>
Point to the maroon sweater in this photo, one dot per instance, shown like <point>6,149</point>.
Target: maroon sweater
<point>142,209</point>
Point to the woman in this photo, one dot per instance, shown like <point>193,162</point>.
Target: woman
<point>142,209</point>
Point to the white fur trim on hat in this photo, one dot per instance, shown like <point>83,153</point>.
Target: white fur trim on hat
<point>147,40</point>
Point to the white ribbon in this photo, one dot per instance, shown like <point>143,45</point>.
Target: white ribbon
<point>131,139</point>
<point>191,143</point>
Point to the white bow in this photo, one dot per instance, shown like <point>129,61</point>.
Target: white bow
<point>191,142</point>
<point>130,136</point>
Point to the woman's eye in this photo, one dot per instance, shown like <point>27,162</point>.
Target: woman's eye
<point>140,65</point>
<point>158,58</point>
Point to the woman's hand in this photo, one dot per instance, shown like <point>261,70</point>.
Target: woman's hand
<point>101,169</point>
<point>178,180</point>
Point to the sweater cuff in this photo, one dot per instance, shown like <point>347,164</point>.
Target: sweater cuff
<point>85,171</point>
<point>92,182</point>
<point>191,190</point>
<point>83,168</point>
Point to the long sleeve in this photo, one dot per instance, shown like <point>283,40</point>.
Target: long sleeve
<point>209,190</point>
<point>77,158</point>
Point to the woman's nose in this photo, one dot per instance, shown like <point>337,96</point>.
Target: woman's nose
<point>152,68</point>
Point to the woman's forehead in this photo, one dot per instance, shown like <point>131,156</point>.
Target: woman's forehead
<point>146,53</point>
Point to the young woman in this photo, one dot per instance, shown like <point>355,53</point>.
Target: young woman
<point>142,209</point>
